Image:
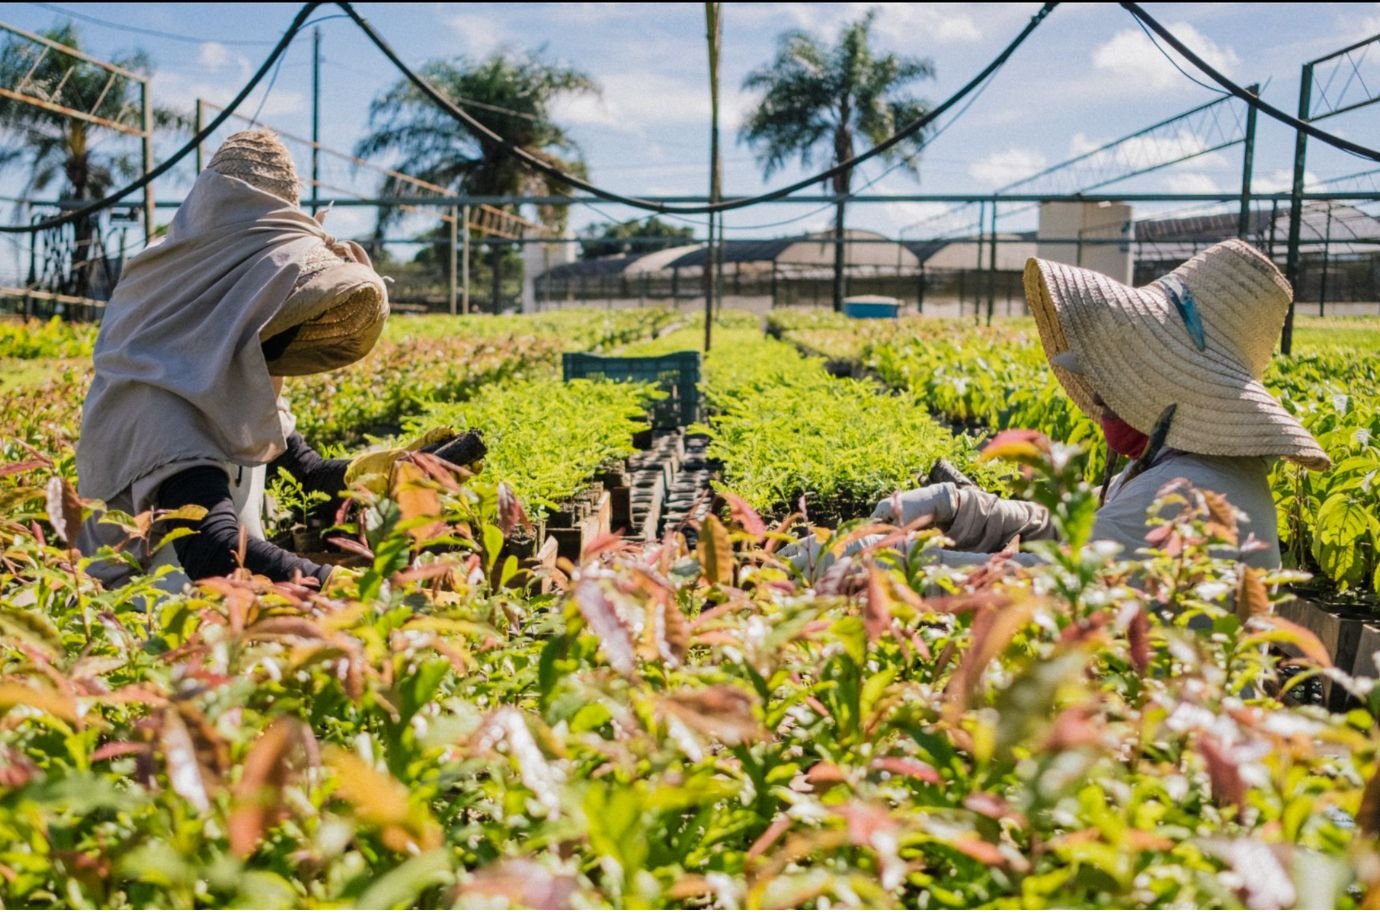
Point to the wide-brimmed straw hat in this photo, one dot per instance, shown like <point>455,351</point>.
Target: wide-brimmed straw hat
<point>1198,338</point>
<point>338,305</point>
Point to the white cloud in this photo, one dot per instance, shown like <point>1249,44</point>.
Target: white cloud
<point>1007,166</point>
<point>1193,183</point>
<point>179,93</point>
<point>1282,180</point>
<point>480,34</point>
<point>1132,57</point>
<point>1143,152</point>
<point>643,99</point>
<point>898,23</point>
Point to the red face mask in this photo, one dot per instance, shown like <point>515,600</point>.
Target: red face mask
<point>1122,438</point>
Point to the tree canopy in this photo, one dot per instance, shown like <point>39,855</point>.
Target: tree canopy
<point>633,238</point>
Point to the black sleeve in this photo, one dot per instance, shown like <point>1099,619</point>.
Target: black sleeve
<point>211,549</point>
<point>309,468</point>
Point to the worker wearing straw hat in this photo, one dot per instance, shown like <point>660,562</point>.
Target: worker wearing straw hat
<point>1171,371</point>
<point>185,407</point>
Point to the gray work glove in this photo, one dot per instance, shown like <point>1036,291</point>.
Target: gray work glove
<point>808,556</point>
<point>937,503</point>
<point>983,523</point>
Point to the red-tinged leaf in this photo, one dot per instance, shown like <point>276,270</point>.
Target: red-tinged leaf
<point>23,466</point>
<point>824,774</point>
<point>286,626</point>
<point>379,799</point>
<point>994,627</point>
<point>1252,597</point>
<point>904,766</point>
<point>1073,728</point>
<point>603,543</point>
<point>604,621</point>
<point>715,552</point>
<point>1138,638</point>
<point>975,848</point>
<point>185,774</point>
<point>745,516</point>
<point>49,701</point>
<point>423,572</point>
<point>511,515</point>
<point>259,794</point>
<point>722,712</point>
<point>988,805</point>
<point>769,836</point>
<point>64,509</point>
<point>342,514</point>
<point>670,633</point>
<point>1228,788</point>
<point>1368,815</point>
<point>1221,516</point>
<point>1278,629</point>
<point>435,469</point>
<point>351,546</point>
<point>877,610</point>
<point>16,769</point>
<point>517,884</point>
<point>116,749</point>
<point>1019,444</point>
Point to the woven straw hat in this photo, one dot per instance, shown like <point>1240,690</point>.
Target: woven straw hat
<point>338,304</point>
<point>1200,338</point>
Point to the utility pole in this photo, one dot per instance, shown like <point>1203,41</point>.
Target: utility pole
<point>1291,259</point>
<point>315,119</point>
<point>713,32</point>
<point>146,152</point>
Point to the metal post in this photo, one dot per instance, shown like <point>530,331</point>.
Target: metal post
<point>1327,246</point>
<point>1274,219</point>
<point>1291,262</point>
<point>465,260</point>
<point>316,138</point>
<point>150,223</point>
<point>977,297</point>
<point>920,290</point>
<point>675,287</point>
<point>452,253</point>
<point>713,35</point>
<point>773,284</point>
<point>992,266</point>
<point>1243,226</point>
<point>199,120</point>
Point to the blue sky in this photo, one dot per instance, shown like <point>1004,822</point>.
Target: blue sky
<point>1086,76</point>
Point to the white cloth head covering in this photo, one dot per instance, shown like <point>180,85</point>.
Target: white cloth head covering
<point>180,372</point>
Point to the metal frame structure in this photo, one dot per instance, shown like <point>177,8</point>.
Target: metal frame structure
<point>51,100</point>
<point>1346,64</point>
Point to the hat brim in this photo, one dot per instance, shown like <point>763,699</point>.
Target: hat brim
<point>1139,357</point>
<point>338,317</point>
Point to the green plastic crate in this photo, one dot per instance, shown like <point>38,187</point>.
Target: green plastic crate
<point>678,373</point>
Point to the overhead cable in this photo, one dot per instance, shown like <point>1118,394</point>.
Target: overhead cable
<point>538,164</point>
<point>531,160</point>
<point>1254,101</point>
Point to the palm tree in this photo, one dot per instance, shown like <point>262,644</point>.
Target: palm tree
<point>512,95</point>
<point>58,150</point>
<point>815,97</point>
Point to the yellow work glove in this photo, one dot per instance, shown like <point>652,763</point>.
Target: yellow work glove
<point>373,470</point>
